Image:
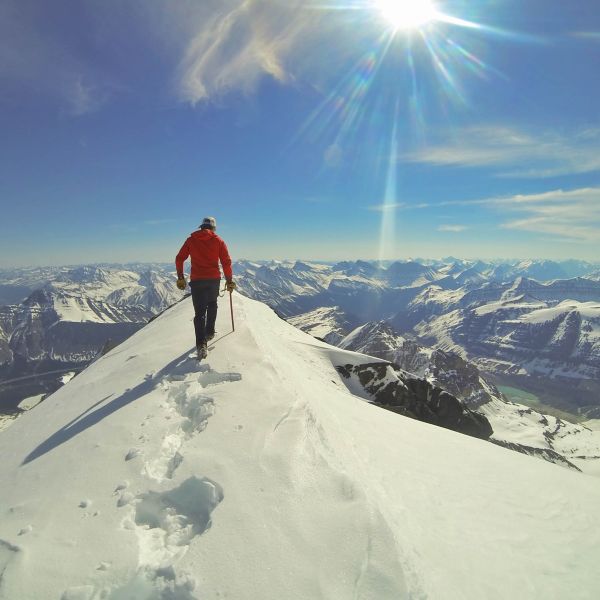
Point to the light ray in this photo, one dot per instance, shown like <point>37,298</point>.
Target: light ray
<point>387,233</point>
<point>495,31</point>
<point>414,101</point>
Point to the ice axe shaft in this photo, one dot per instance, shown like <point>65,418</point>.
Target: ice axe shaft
<point>231,308</point>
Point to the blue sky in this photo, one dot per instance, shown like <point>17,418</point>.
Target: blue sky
<point>314,130</point>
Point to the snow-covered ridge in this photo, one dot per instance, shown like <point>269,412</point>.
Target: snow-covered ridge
<point>149,476</point>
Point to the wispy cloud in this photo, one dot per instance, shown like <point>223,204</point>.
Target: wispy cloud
<point>516,153</point>
<point>452,228</point>
<point>333,156</point>
<point>238,42</point>
<point>84,98</point>
<point>593,36</point>
<point>569,215</point>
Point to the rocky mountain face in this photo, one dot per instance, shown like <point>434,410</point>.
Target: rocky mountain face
<point>523,337</point>
<point>443,369</point>
<point>55,325</point>
<point>386,385</point>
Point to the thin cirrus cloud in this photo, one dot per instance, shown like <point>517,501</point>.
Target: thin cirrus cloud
<point>593,36</point>
<point>514,153</point>
<point>238,42</point>
<point>208,48</point>
<point>452,228</point>
<point>564,215</point>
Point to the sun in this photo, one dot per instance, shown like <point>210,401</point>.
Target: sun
<point>407,14</point>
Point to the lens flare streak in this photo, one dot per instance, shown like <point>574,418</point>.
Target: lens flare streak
<point>343,110</point>
<point>357,106</point>
<point>449,83</point>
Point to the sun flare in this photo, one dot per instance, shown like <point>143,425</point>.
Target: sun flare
<point>407,14</point>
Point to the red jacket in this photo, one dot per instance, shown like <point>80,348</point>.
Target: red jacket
<point>206,249</point>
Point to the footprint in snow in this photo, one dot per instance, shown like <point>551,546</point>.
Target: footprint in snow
<point>166,523</point>
<point>9,554</point>
<point>81,592</point>
<point>132,453</point>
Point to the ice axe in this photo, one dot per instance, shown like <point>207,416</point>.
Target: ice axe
<point>230,304</point>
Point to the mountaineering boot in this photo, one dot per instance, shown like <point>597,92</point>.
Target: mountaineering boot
<point>202,351</point>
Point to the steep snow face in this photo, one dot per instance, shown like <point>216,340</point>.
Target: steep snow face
<point>149,476</point>
<point>151,289</point>
<point>409,274</point>
<point>542,270</point>
<point>374,338</point>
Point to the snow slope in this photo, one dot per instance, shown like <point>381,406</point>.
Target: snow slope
<point>257,475</point>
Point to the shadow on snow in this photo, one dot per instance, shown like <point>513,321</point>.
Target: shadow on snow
<point>87,419</point>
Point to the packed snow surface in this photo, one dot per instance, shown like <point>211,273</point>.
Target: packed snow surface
<point>257,475</point>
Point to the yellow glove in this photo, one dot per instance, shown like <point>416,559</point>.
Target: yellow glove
<point>181,283</point>
<point>230,285</point>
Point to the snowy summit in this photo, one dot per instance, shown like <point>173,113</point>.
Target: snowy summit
<point>258,475</point>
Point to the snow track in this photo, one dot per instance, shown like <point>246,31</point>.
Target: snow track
<point>167,522</point>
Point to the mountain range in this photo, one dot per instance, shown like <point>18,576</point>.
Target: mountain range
<point>69,317</point>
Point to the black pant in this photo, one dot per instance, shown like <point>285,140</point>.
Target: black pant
<point>204,296</point>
